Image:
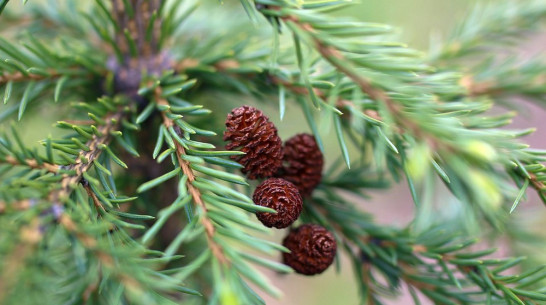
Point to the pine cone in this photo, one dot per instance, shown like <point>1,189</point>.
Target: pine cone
<point>281,196</point>
<point>249,130</point>
<point>313,249</point>
<point>304,162</point>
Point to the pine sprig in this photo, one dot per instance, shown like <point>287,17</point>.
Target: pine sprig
<point>32,69</point>
<point>505,80</point>
<point>193,191</point>
<point>65,207</point>
<point>218,207</point>
<point>490,26</point>
<point>472,47</point>
<point>437,262</point>
<point>85,159</point>
<point>397,108</point>
<point>32,163</point>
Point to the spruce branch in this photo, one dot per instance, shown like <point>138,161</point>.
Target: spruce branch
<point>20,77</point>
<point>220,208</point>
<point>476,43</point>
<point>475,88</point>
<point>17,206</point>
<point>32,163</point>
<point>66,205</point>
<point>85,243</point>
<point>96,201</point>
<point>49,74</point>
<point>339,61</point>
<point>34,67</point>
<point>194,192</point>
<point>239,69</point>
<point>396,105</point>
<point>40,18</point>
<point>436,262</point>
<point>538,185</point>
<point>85,159</point>
<point>490,26</point>
<point>133,274</point>
<point>506,78</point>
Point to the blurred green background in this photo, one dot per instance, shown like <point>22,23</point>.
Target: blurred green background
<point>417,20</point>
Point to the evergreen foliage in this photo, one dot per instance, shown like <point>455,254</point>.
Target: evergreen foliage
<point>133,201</point>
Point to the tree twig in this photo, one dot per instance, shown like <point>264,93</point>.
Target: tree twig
<point>136,25</point>
<point>216,249</point>
<point>20,77</point>
<point>226,64</point>
<point>475,88</point>
<point>80,166</point>
<point>96,202</point>
<point>32,163</point>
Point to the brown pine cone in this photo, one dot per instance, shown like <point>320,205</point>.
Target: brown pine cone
<point>303,163</point>
<point>249,130</point>
<point>313,249</point>
<point>281,196</point>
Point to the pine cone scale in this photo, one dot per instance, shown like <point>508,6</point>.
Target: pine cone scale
<point>249,130</point>
<point>303,163</point>
<point>283,197</point>
<point>313,249</point>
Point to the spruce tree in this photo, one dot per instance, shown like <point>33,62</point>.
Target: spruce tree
<point>145,192</point>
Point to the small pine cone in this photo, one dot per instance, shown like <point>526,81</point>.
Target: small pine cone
<point>249,130</point>
<point>281,196</point>
<point>304,162</point>
<point>313,249</point>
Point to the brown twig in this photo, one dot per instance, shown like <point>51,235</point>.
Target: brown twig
<point>333,56</point>
<point>216,249</point>
<point>51,74</point>
<point>337,59</point>
<point>80,167</point>
<point>226,64</point>
<point>340,102</point>
<point>96,202</point>
<point>32,163</point>
<point>475,88</point>
<point>366,278</point>
<point>537,185</point>
<point>136,25</point>
<point>20,77</point>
